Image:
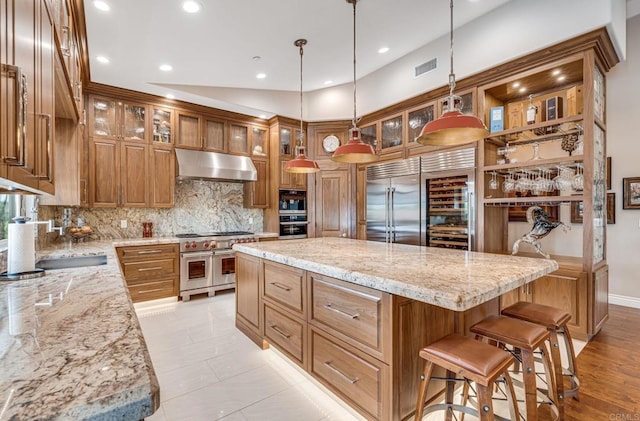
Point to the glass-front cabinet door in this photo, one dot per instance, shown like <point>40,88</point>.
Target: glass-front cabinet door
<point>285,141</point>
<point>369,135</point>
<point>103,118</point>
<point>214,132</point>
<point>259,142</point>
<point>238,139</point>
<point>417,119</point>
<point>162,123</point>
<point>466,103</point>
<point>133,122</point>
<point>391,133</point>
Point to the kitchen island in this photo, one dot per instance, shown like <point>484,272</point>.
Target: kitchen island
<point>354,314</point>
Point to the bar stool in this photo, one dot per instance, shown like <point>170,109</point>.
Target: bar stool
<point>555,320</point>
<point>475,362</point>
<point>525,338</point>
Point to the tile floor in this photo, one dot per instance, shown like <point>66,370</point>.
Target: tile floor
<point>208,370</point>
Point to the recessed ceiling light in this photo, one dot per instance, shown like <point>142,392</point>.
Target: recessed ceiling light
<point>261,75</point>
<point>102,59</point>
<point>383,50</point>
<point>515,84</point>
<point>166,67</point>
<point>191,6</point>
<point>256,58</point>
<point>561,78</point>
<point>100,5</point>
<point>522,90</point>
<point>170,96</point>
<point>328,82</point>
<point>555,72</point>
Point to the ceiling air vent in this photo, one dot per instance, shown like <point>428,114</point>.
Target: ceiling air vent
<point>425,67</point>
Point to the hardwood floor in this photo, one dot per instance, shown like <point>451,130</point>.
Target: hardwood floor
<point>608,368</point>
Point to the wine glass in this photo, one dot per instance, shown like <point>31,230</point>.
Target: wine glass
<point>493,183</point>
<point>578,179</point>
<point>509,183</point>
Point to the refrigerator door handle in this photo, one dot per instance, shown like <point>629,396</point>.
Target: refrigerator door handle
<point>471,223</point>
<point>393,216</point>
<point>387,234</point>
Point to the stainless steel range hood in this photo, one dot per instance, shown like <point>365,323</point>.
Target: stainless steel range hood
<point>214,166</point>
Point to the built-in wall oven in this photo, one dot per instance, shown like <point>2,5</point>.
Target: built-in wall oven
<point>293,214</point>
<point>207,262</point>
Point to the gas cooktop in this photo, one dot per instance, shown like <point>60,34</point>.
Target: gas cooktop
<point>213,234</point>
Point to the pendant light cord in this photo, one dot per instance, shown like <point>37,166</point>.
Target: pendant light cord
<point>354,63</point>
<point>301,127</point>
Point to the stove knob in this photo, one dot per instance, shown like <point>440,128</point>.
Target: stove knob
<point>194,245</point>
<point>187,245</point>
<point>213,245</point>
<point>205,245</point>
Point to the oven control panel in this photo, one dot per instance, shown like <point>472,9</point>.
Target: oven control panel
<point>206,244</point>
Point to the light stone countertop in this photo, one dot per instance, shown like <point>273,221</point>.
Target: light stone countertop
<point>453,279</point>
<point>71,345</point>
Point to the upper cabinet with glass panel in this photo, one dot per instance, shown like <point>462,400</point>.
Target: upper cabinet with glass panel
<point>162,124</point>
<point>117,120</point>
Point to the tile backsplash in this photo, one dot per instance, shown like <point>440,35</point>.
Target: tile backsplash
<point>200,206</point>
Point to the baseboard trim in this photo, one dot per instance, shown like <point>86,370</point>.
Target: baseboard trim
<point>622,300</point>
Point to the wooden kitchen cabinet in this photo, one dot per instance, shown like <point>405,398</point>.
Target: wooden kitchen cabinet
<point>294,181</point>
<point>151,272</point>
<point>188,134</point>
<point>162,177</point>
<point>104,170</point>
<point>134,170</point>
<point>333,202</point>
<point>249,316</point>
<point>238,139</point>
<point>26,92</point>
<point>214,135</point>
<point>256,193</point>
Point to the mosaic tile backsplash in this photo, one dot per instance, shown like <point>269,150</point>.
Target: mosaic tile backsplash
<point>200,206</point>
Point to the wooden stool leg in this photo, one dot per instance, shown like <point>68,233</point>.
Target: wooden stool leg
<point>511,398</point>
<point>449,394</point>
<point>557,370</point>
<point>529,378</point>
<point>485,403</point>
<point>422,391</point>
<point>573,368</point>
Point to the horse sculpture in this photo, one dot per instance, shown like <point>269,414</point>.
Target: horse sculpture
<point>541,228</point>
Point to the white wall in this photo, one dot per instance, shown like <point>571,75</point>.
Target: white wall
<point>515,29</point>
<point>623,146</point>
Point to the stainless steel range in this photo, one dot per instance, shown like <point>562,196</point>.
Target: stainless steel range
<point>207,262</point>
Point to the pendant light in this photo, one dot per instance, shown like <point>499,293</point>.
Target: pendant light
<point>453,127</point>
<point>355,151</point>
<point>301,164</point>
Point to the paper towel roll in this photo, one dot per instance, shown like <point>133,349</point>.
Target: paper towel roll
<point>21,256</point>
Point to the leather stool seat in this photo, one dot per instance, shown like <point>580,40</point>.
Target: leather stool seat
<point>555,320</point>
<point>526,338</point>
<point>474,361</point>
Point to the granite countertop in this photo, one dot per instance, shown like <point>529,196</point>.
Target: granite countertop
<point>453,279</point>
<point>71,345</point>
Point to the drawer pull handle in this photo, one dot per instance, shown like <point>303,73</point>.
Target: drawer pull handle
<point>148,269</point>
<point>280,331</point>
<point>150,290</point>
<point>279,285</point>
<point>149,251</point>
<point>344,313</point>
<point>340,373</point>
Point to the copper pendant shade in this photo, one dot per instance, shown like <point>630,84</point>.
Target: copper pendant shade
<point>452,127</point>
<point>301,164</point>
<point>355,151</point>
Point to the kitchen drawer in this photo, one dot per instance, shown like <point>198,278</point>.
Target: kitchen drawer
<point>285,285</point>
<point>351,374</point>
<point>352,312</point>
<point>153,290</point>
<point>149,269</point>
<point>285,332</point>
<point>147,252</point>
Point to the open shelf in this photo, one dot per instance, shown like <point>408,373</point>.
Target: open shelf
<point>511,135</point>
<point>568,160</point>
<point>536,200</point>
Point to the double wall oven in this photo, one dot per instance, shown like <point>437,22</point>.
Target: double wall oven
<point>207,262</point>
<point>292,207</point>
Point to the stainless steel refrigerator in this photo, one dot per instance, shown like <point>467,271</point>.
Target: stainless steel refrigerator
<point>393,202</point>
<point>424,201</point>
